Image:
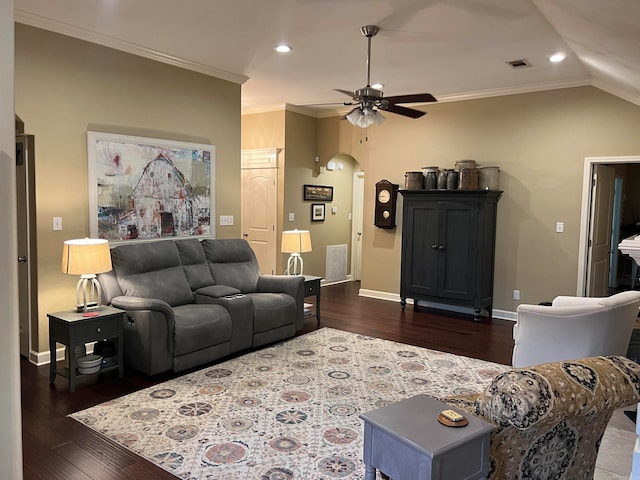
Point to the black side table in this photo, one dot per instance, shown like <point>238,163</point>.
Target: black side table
<point>72,328</point>
<point>312,287</point>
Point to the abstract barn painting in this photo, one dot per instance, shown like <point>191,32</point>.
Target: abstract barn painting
<point>146,188</point>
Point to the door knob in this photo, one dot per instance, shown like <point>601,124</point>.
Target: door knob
<point>434,246</point>
<point>22,259</point>
<point>245,234</point>
<point>441,247</point>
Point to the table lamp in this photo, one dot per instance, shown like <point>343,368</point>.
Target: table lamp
<point>86,257</point>
<point>295,242</point>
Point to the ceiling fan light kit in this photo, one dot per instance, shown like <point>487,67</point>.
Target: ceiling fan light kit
<point>364,117</point>
<point>370,100</point>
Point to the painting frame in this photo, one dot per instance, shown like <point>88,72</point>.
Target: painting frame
<point>318,193</point>
<point>317,212</point>
<point>145,189</point>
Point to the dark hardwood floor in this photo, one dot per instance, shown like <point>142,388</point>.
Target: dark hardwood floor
<point>56,447</point>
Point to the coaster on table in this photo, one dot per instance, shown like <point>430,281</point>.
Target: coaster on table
<point>451,418</point>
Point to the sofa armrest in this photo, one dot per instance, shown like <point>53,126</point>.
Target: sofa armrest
<point>149,332</point>
<point>139,303</point>
<point>288,284</point>
<point>465,403</point>
<point>291,285</point>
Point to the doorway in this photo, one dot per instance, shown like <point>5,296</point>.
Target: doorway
<point>356,225</point>
<point>26,233</point>
<point>586,219</point>
<point>259,192</point>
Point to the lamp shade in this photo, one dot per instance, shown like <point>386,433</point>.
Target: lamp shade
<point>296,241</point>
<point>86,256</point>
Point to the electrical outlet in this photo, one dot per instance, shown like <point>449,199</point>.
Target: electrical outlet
<point>292,217</point>
<point>516,294</point>
<point>559,227</point>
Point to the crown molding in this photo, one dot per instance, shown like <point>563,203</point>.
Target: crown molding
<point>249,110</point>
<point>52,25</point>
<point>495,92</point>
<point>529,88</point>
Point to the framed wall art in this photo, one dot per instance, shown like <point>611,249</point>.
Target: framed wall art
<point>317,212</point>
<point>320,193</point>
<point>147,188</point>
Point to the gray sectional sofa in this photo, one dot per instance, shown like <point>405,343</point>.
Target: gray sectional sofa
<point>192,301</point>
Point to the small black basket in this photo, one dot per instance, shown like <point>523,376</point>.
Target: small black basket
<point>104,348</point>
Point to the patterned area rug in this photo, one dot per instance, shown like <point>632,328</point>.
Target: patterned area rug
<point>289,411</point>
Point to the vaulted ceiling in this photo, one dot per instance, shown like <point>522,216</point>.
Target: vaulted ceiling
<point>454,49</point>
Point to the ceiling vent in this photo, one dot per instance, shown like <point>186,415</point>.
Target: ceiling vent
<point>522,63</point>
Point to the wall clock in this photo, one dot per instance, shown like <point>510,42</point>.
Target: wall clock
<point>385,205</point>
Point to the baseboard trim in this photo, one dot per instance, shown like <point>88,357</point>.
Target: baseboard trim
<point>324,283</point>
<point>394,297</point>
<point>44,358</point>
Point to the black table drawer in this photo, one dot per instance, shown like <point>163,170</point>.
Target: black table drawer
<point>98,329</point>
<point>311,287</point>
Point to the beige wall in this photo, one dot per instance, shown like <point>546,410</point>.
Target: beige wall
<point>538,140</point>
<point>301,150</point>
<point>65,87</point>
<point>296,135</point>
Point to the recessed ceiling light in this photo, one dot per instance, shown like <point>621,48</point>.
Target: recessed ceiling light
<point>282,48</point>
<point>378,86</point>
<point>557,57</point>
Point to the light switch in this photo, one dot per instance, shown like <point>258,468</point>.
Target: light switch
<point>226,219</point>
<point>57,223</point>
<point>559,227</point>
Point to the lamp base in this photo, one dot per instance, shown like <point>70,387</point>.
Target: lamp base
<point>90,307</point>
<point>292,264</point>
<point>88,294</point>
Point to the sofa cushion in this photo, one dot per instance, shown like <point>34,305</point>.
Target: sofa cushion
<point>217,291</point>
<point>194,263</point>
<point>272,310</point>
<point>200,326</point>
<point>152,270</point>
<point>233,263</point>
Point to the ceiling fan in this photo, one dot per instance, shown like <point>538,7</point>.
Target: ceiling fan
<point>370,100</point>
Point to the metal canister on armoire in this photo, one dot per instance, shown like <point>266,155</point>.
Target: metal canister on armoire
<point>452,180</point>
<point>431,177</point>
<point>413,181</point>
<point>442,179</point>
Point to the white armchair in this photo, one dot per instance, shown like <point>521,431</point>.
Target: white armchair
<point>573,328</point>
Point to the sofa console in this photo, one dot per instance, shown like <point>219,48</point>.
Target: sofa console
<point>190,302</point>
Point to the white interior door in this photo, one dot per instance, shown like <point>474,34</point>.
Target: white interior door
<point>600,231</point>
<point>356,225</point>
<point>259,205</point>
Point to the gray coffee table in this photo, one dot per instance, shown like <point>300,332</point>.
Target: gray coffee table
<point>406,442</point>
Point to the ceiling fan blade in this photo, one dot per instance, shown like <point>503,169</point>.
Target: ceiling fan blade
<point>407,112</point>
<point>412,98</point>
<point>346,92</point>
<point>325,104</point>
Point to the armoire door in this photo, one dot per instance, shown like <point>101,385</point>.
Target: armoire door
<point>457,250</point>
